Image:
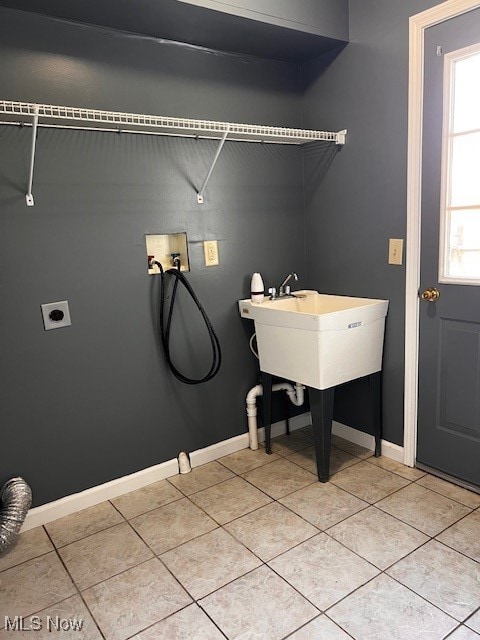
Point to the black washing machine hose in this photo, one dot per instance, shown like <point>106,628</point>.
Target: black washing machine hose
<point>165,326</point>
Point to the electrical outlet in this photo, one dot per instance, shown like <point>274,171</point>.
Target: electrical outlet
<point>56,315</point>
<point>210,249</point>
<point>395,251</point>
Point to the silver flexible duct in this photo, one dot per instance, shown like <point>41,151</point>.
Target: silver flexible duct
<point>15,501</point>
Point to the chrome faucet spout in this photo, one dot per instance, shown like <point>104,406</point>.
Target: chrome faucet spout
<point>282,288</point>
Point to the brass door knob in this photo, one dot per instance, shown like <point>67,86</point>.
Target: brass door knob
<point>432,294</point>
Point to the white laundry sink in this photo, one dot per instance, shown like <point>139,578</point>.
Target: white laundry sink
<point>319,340</point>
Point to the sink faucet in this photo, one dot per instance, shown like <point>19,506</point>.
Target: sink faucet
<point>283,289</point>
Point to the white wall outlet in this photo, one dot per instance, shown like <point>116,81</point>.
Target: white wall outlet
<point>210,249</point>
<point>56,315</point>
<point>395,251</point>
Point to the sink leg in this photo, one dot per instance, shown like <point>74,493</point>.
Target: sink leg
<point>375,387</point>
<point>267,409</point>
<point>321,407</point>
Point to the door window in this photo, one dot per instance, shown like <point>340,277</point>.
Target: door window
<point>460,199</point>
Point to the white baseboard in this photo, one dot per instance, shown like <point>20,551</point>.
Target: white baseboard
<point>389,449</point>
<point>90,497</point>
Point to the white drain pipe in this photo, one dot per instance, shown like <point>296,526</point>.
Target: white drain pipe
<point>296,396</point>
<point>184,465</point>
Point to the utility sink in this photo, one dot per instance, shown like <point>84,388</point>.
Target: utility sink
<point>317,339</point>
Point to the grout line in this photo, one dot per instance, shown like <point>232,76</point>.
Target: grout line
<point>78,590</point>
<point>177,545</point>
<point>339,626</point>
<point>450,635</point>
<point>83,537</point>
<point>397,473</point>
<point>148,510</point>
<point>445,496</point>
<point>17,564</point>
<point>187,495</point>
<point>150,626</point>
<point>425,599</point>
<point>211,619</point>
<point>455,550</point>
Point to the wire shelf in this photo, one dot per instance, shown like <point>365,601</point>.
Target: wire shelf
<point>78,117</point>
<point>29,113</point>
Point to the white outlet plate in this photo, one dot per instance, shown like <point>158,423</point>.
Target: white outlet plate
<point>56,315</point>
<point>395,251</point>
<point>210,249</point>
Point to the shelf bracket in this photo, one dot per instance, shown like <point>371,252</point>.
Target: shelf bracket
<point>29,197</point>
<point>219,149</point>
<point>341,135</point>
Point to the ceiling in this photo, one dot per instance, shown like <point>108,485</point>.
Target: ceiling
<point>178,21</point>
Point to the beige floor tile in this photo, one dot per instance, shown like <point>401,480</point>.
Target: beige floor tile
<point>147,498</point>
<point>352,448</point>
<point>400,469</point>
<point>285,445</point>
<point>464,536</point>
<point>201,478</point>
<point>323,504</point>
<point>368,482</point>
<point>423,509</point>
<point>386,610</point>
<point>305,459</point>
<point>320,629</point>
<point>190,623</point>
<point>132,601</point>
<point>171,525</point>
<point>229,500</point>
<point>449,490</point>
<point>258,605</point>
<point>32,586</point>
<point>378,537</point>
<point>271,530</point>
<point>308,429</point>
<point>83,523</point>
<point>323,570</point>
<point>443,577</point>
<point>29,545</point>
<point>103,555</point>
<point>474,622</point>
<point>338,460</point>
<point>69,620</point>
<point>280,478</point>
<point>209,562</point>
<point>246,459</point>
<point>463,633</point>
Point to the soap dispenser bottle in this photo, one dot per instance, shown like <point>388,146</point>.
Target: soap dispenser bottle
<point>257,288</point>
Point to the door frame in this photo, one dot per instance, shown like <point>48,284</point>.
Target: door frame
<point>417,26</point>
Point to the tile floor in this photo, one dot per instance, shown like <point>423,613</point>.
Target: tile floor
<point>252,547</point>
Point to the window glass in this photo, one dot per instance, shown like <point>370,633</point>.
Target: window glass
<point>464,244</point>
<point>465,170</point>
<point>466,98</point>
<point>460,247</point>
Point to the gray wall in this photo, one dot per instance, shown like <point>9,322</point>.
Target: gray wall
<point>324,17</point>
<point>354,207</point>
<point>86,404</point>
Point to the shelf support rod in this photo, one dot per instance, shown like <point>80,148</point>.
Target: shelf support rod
<point>220,146</point>
<point>29,196</point>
